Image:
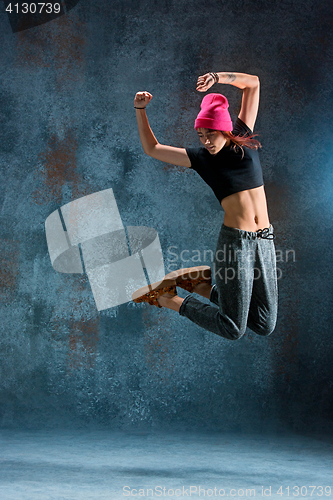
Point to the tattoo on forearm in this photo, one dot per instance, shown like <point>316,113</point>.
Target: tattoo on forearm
<point>230,77</point>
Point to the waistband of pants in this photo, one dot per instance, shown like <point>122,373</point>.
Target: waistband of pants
<point>264,233</point>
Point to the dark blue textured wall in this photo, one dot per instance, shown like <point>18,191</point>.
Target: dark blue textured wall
<point>67,129</point>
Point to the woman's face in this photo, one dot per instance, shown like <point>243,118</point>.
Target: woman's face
<point>213,140</point>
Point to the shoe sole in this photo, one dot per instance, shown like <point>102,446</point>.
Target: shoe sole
<point>189,277</point>
<point>151,293</point>
<point>190,273</point>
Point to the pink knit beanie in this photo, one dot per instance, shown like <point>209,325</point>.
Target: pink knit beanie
<point>214,113</point>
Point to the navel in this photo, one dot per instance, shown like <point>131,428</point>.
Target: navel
<point>256,219</point>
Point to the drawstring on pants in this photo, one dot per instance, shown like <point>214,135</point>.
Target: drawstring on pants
<point>265,234</point>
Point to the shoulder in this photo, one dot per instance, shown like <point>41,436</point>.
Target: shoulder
<point>196,155</point>
<point>241,128</point>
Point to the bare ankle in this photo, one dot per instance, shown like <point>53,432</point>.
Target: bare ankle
<point>170,301</point>
<point>203,289</point>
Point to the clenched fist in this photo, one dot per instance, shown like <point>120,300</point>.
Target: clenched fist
<point>142,99</point>
<point>205,82</point>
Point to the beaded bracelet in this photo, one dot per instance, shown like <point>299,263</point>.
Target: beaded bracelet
<point>215,77</point>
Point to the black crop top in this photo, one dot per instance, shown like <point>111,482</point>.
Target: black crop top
<point>227,172</point>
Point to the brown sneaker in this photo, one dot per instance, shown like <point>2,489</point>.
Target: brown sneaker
<point>151,293</point>
<point>190,277</point>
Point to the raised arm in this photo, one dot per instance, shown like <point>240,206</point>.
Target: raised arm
<point>168,154</point>
<point>248,83</point>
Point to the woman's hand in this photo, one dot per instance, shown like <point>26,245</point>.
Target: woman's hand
<point>205,82</point>
<point>142,99</point>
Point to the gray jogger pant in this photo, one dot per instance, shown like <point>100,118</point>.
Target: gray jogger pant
<point>246,286</point>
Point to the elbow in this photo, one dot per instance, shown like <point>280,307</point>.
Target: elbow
<point>150,150</point>
<point>254,83</point>
<point>251,82</point>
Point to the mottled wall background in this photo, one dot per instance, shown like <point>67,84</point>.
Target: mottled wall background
<point>68,129</point>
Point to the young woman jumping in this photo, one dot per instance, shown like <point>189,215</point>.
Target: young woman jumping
<point>245,293</point>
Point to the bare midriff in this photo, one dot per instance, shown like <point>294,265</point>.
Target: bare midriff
<point>246,210</point>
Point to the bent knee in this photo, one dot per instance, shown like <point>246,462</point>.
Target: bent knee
<point>264,330</point>
<point>263,324</point>
<point>236,335</point>
<point>231,331</point>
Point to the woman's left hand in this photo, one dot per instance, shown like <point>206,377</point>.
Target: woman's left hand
<point>205,82</point>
